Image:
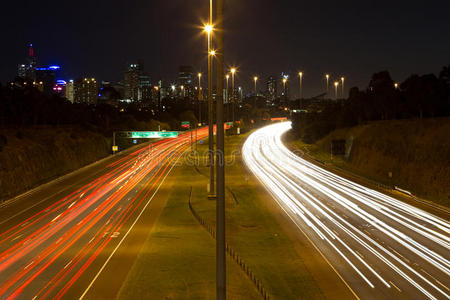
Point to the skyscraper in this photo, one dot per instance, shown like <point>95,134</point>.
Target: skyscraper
<point>48,77</point>
<point>137,83</point>
<point>86,91</point>
<point>132,82</point>
<point>271,91</point>
<point>70,92</point>
<point>27,70</point>
<point>186,80</point>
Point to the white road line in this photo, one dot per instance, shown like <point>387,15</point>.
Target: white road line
<point>127,233</point>
<point>396,287</point>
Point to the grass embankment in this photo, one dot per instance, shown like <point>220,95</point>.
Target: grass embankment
<point>32,156</point>
<point>178,260</point>
<point>415,152</point>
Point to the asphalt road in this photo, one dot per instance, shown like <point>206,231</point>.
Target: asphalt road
<point>381,247</point>
<point>57,241</point>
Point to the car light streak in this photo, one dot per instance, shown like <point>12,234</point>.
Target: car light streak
<point>407,245</point>
<point>44,255</point>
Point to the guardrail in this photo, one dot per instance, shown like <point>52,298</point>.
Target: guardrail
<point>231,252</point>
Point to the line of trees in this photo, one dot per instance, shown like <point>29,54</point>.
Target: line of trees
<point>426,96</point>
<point>28,107</point>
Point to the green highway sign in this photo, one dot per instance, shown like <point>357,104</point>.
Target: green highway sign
<point>148,134</point>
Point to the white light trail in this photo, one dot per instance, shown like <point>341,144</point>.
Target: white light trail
<point>403,241</point>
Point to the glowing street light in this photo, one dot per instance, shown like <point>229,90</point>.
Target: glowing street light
<point>343,91</point>
<point>300,74</point>
<point>233,73</point>
<point>226,94</point>
<point>208,28</point>
<point>255,79</point>
<point>327,76</point>
<point>336,84</point>
<point>284,86</point>
<point>199,75</point>
<point>396,85</point>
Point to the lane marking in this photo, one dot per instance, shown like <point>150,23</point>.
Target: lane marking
<point>127,233</point>
<point>396,287</point>
<point>29,265</point>
<point>17,237</point>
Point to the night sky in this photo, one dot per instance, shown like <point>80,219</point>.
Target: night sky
<point>263,37</point>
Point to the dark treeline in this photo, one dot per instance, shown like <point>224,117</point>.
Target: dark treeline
<point>425,96</point>
<point>28,107</point>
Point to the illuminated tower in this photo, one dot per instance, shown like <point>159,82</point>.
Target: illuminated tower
<point>28,70</point>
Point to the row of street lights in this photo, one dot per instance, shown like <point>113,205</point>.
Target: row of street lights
<point>300,75</point>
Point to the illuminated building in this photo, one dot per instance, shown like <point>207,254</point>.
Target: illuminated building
<point>48,77</point>
<point>86,91</point>
<point>186,80</point>
<point>137,83</point>
<point>271,91</point>
<point>70,93</point>
<point>27,69</point>
<point>132,82</point>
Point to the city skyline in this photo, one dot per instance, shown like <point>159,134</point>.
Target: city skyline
<point>351,40</point>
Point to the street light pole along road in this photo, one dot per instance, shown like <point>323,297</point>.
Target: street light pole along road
<point>220,155</point>
<point>199,96</point>
<point>233,73</point>
<point>327,76</point>
<point>209,30</point>
<point>336,84</point>
<point>227,98</point>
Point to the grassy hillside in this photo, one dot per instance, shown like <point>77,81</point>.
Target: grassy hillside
<point>29,157</point>
<point>416,152</point>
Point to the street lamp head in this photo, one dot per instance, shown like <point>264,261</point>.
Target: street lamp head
<point>227,76</point>
<point>284,80</point>
<point>336,83</point>
<point>182,87</point>
<point>233,70</point>
<point>156,88</point>
<point>300,74</point>
<point>327,76</point>
<point>212,53</point>
<point>255,78</point>
<point>396,85</point>
<point>342,79</point>
<point>199,75</point>
<point>208,28</point>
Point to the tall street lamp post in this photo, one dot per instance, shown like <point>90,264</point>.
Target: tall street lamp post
<point>343,90</point>
<point>327,76</point>
<point>233,72</point>
<point>199,96</point>
<point>208,30</point>
<point>284,88</point>
<point>336,84</point>
<point>255,79</point>
<point>300,74</point>
<point>220,204</point>
<point>227,99</point>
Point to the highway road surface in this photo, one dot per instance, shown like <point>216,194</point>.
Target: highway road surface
<point>381,247</point>
<point>56,242</point>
